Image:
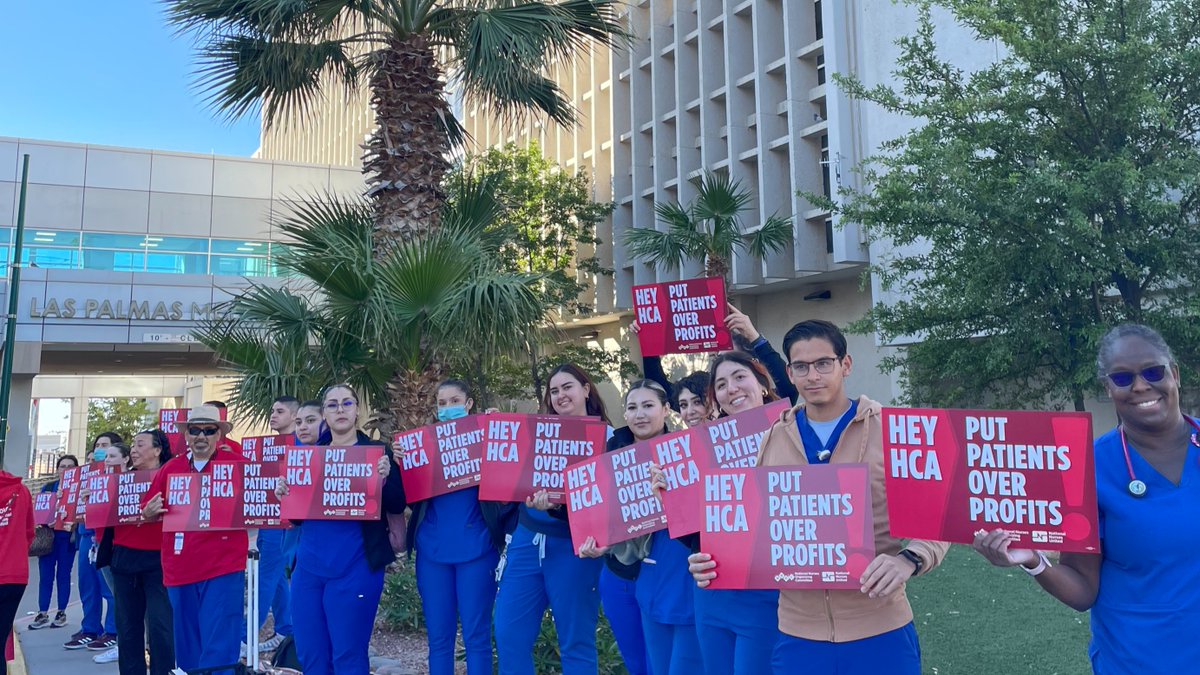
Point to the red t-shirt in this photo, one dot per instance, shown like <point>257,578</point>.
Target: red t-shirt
<point>16,529</point>
<point>191,557</point>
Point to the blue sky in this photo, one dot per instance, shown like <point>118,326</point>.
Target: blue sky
<point>108,72</point>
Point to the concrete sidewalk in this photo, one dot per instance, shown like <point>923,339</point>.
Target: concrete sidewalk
<point>43,648</point>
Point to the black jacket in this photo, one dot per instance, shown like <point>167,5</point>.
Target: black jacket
<point>376,545</point>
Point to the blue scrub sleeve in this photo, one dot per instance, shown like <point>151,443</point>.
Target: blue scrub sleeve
<point>776,367</point>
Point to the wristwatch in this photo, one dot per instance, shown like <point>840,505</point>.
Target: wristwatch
<point>914,559</point>
<point>1042,566</point>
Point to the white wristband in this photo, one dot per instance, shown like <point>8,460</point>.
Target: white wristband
<point>1042,566</point>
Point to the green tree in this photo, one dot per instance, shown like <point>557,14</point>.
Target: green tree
<point>1039,200</point>
<point>548,221</point>
<point>126,416</point>
<point>284,55</point>
<point>383,324</point>
<point>708,229</point>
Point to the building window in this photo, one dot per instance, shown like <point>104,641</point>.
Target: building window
<point>826,186</point>
<point>820,69</point>
<point>819,25</point>
<point>829,235</point>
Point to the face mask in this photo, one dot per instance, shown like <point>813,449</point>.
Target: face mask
<point>99,454</point>
<point>452,412</point>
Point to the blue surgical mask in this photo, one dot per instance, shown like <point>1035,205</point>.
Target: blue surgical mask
<point>99,454</point>
<point>451,412</point>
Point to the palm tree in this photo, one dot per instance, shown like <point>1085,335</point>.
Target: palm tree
<point>708,229</point>
<point>384,324</point>
<point>281,54</point>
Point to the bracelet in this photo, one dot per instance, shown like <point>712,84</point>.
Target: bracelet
<point>914,559</point>
<point>1042,566</point>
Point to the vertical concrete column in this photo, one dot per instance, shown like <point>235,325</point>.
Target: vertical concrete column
<point>77,435</point>
<point>18,453</point>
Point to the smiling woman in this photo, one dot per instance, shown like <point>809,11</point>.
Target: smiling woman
<point>1143,589</point>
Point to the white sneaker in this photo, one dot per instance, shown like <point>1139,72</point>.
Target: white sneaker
<point>106,657</point>
<point>242,651</point>
<point>271,644</point>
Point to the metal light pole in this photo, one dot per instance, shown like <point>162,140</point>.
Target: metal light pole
<point>10,333</point>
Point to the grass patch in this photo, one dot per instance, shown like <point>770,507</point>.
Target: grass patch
<point>975,619</point>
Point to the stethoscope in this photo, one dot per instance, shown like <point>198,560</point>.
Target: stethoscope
<point>1137,487</point>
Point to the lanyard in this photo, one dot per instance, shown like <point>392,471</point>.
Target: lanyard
<point>818,452</point>
<point>1137,487</point>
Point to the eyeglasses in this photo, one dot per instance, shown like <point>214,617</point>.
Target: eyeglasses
<point>207,431</point>
<point>334,406</point>
<point>823,366</point>
<point>1124,378</point>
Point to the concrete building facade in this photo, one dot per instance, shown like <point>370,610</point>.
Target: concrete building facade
<point>124,252</point>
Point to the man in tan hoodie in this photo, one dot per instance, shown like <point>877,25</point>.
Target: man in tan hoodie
<point>864,632</point>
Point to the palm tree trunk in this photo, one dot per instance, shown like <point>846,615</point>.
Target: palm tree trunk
<point>406,156</point>
<point>717,266</point>
<point>410,400</point>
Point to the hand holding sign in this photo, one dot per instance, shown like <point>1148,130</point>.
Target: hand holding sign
<point>153,508</point>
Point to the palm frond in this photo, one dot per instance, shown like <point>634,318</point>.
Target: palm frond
<point>652,246</point>
<point>720,197</point>
<point>500,51</point>
<point>776,234</point>
<point>240,73</point>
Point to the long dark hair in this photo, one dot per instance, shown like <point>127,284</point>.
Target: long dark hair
<point>160,440</point>
<point>595,405</point>
<point>112,436</point>
<point>742,359</point>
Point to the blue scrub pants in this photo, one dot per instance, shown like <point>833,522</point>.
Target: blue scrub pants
<point>94,594</point>
<point>206,617</point>
<point>673,647</point>
<point>625,617</point>
<point>274,591</point>
<point>338,615</point>
<point>895,652</point>
<point>56,566</point>
<point>738,630</point>
<point>543,571</point>
<point>453,591</point>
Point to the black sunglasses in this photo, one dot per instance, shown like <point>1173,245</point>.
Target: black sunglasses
<point>1124,378</point>
<point>207,431</point>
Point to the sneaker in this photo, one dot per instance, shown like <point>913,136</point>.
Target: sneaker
<point>107,657</point>
<point>40,621</point>
<point>270,644</point>
<point>242,652</point>
<point>60,619</point>
<point>103,643</point>
<point>80,640</point>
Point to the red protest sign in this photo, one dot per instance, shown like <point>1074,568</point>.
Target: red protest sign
<point>682,317</point>
<point>203,501</point>
<point>131,486</point>
<point>441,458</point>
<point>171,420</point>
<point>727,443</point>
<point>266,448</point>
<point>257,504</point>
<point>951,473</point>
<point>332,483</point>
<point>610,498</point>
<point>527,453</point>
<point>44,508</point>
<point>798,527</point>
<point>68,507</point>
<point>102,500</point>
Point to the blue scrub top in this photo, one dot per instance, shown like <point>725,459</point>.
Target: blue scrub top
<point>664,585</point>
<point>453,530</point>
<point>1148,607</point>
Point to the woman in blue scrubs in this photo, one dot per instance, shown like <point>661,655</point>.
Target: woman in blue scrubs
<point>540,567</point>
<point>338,578</point>
<point>458,540</point>
<point>738,629</point>
<point>656,564</point>
<point>1143,589</point>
